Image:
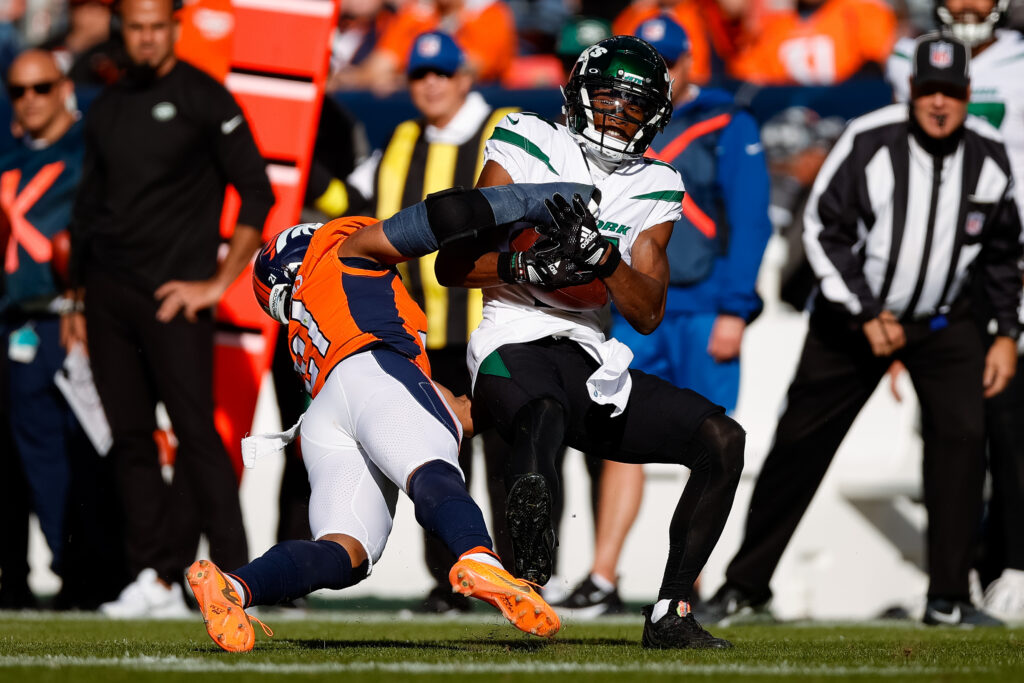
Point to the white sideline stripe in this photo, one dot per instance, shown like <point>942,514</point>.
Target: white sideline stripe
<point>270,87</point>
<point>202,665</point>
<point>312,8</point>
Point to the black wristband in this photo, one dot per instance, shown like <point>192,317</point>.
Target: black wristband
<point>510,267</point>
<point>605,269</point>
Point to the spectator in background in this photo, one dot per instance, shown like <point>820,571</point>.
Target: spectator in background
<point>718,30</point>
<point>713,255</point>
<point>441,149</point>
<point>10,41</point>
<point>911,204</point>
<point>360,26</point>
<point>485,29</point>
<point>819,42</point>
<point>997,95</point>
<point>86,51</point>
<point>38,180</point>
<point>578,34</point>
<point>160,147</point>
<point>796,142</point>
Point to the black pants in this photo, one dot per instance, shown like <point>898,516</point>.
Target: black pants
<point>1003,546</point>
<point>661,424</point>
<point>292,401</point>
<point>836,376</point>
<point>136,361</point>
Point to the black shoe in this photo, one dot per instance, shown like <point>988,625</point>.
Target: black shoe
<point>588,600</point>
<point>674,632</point>
<point>528,516</point>
<point>732,606</point>
<point>16,595</point>
<point>957,613</point>
<point>441,600</point>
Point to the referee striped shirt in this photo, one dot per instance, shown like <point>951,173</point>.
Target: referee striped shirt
<point>898,221</point>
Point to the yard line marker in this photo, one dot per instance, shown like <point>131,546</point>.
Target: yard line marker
<point>207,665</point>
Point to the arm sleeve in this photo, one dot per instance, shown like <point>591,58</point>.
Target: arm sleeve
<point>88,206</point>
<point>830,233</point>
<point>1000,261</point>
<point>743,177</point>
<point>239,159</point>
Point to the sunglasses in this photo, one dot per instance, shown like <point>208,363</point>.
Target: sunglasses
<point>16,92</point>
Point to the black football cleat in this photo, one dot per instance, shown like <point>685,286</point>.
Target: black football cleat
<point>678,630</point>
<point>957,613</point>
<point>528,516</point>
<point>587,601</point>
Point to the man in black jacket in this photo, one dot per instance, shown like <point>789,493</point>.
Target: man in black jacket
<point>910,204</point>
<point>161,146</point>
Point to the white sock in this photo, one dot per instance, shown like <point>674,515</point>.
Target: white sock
<point>485,558</point>
<point>601,582</point>
<point>662,608</point>
<point>238,587</point>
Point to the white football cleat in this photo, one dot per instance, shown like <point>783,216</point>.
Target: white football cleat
<point>147,598</point>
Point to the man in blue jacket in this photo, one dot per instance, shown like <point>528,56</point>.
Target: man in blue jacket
<point>714,255</point>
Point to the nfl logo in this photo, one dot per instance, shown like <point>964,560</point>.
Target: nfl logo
<point>975,221</point>
<point>429,46</point>
<point>941,55</point>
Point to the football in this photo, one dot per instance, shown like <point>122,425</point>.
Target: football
<point>577,298</point>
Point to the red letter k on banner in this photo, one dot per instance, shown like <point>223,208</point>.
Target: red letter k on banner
<point>17,205</point>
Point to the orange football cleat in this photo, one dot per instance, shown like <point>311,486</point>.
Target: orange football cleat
<point>516,599</point>
<point>223,613</point>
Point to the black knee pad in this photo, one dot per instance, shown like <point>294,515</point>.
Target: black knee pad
<point>454,214</point>
<point>724,440</point>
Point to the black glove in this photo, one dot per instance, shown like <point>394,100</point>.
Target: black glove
<point>584,244</point>
<point>544,264</point>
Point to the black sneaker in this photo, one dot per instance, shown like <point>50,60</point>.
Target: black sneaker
<point>678,630</point>
<point>957,613</point>
<point>587,600</point>
<point>528,516</point>
<point>441,600</point>
<point>732,606</point>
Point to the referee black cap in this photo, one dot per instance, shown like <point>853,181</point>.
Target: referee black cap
<point>941,62</point>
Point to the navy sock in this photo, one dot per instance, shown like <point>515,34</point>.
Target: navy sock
<point>293,569</point>
<point>444,508</point>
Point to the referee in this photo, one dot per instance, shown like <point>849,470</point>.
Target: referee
<point>160,147</point>
<point>911,203</point>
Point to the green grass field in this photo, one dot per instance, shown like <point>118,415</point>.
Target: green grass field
<point>382,646</point>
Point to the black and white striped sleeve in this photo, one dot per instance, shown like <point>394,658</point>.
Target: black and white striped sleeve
<point>1000,261</point>
<point>831,230</point>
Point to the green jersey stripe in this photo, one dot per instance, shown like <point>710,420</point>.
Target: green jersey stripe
<point>505,135</point>
<point>664,196</point>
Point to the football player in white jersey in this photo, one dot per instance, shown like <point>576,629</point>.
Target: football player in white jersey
<point>997,95</point>
<point>549,377</point>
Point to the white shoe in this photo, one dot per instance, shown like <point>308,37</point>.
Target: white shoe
<point>1004,597</point>
<point>147,598</point>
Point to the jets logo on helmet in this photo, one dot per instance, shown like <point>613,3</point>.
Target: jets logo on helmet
<point>619,96</point>
<point>273,273</point>
<point>970,27</point>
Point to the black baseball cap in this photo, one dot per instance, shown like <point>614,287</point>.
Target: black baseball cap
<point>941,62</point>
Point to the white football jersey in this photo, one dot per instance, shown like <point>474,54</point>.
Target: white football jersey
<point>635,196</point>
<point>997,92</point>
